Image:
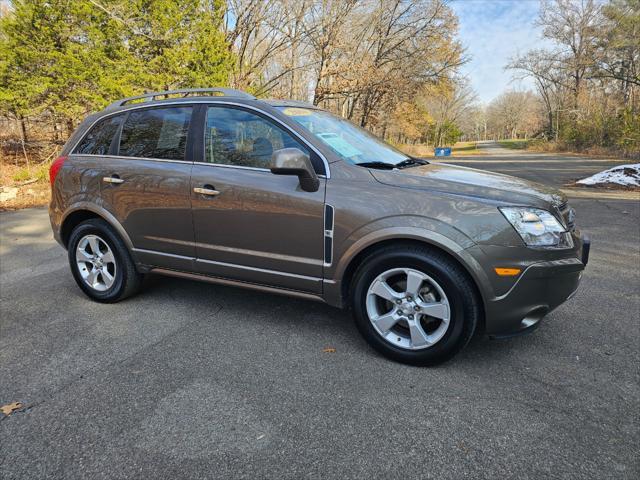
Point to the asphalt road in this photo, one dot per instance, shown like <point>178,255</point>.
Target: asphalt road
<point>556,170</point>
<point>191,380</point>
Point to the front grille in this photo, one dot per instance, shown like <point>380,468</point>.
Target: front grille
<point>568,215</point>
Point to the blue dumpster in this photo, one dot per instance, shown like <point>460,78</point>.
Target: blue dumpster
<point>443,151</point>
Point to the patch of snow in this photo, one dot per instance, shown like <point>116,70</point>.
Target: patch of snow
<point>627,175</point>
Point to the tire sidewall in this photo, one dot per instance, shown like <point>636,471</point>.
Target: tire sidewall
<point>94,228</point>
<point>453,339</point>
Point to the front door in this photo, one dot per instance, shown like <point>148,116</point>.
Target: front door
<point>147,185</point>
<point>251,225</point>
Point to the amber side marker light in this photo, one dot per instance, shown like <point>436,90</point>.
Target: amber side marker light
<point>507,272</point>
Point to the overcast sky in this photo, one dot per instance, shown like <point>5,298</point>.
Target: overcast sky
<point>493,31</point>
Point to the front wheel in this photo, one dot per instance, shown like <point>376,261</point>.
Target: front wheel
<point>414,304</point>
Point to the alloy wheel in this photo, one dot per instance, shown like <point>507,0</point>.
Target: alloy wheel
<point>408,308</point>
<point>96,263</point>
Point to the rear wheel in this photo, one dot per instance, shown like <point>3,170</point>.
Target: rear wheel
<point>100,262</point>
<point>414,304</point>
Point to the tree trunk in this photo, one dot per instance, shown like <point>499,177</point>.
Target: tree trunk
<point>69,126</point>
<point>23,130</point>
<point>23,138</point>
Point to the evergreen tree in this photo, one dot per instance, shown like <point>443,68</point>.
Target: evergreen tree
<point>70,57</point>
<point>179,43</point>
<point>59,56</point>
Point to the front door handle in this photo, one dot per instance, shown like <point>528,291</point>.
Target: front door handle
<point>112,179</point>
<point>207,190</point>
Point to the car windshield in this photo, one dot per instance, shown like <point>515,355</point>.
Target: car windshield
<point>353,144</point>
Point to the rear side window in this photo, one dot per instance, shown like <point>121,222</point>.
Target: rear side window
<point>98,140</point>
<point>156,133</point>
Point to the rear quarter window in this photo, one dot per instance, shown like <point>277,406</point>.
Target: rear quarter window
<point>98,140</point>
<point>156,133</point>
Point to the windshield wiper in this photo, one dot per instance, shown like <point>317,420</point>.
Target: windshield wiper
<point>382,165</point>
<point>410,162</point>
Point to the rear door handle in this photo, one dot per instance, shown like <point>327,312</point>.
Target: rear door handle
<point>112,179</point>
<point>206,190</point>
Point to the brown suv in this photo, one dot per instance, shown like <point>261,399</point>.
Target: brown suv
<point>280,196</point>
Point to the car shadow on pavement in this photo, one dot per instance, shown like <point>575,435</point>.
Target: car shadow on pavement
<point>247,306</point>
<point>278,313</point>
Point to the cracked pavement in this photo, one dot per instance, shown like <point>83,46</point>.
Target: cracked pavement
<point>192,380</point>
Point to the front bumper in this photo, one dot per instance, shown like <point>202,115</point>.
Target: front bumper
<point>540,288</point>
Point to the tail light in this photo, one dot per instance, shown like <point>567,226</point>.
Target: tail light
<point>55,168</point>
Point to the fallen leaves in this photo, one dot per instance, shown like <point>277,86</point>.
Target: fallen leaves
<point>10,407</point>
<point>329,350</point>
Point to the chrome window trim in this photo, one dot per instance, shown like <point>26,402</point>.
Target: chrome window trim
<point>206,102</point>
<point>123,157</point>
<point>239,167</point>
<point>225,165</point>
<point>166,160</point>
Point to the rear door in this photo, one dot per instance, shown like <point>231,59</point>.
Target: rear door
<point>146,185</point>
<point>258,227</point>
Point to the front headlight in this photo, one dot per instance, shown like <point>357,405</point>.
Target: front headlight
<point>537,227</point>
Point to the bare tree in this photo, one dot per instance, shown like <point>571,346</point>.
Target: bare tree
<point>547,72</point>
<point>448,105</point>
<point>372,54</point>
<point>514,115</point>
<point>255,28</point>
<point>575,27</point>
<point>619,45</point>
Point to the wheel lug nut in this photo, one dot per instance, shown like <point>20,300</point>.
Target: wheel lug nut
<point>416,308</point>
<point>398,302</point>
<point>410,317</point>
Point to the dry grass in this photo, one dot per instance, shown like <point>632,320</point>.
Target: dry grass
<point>416,150</point>
<point>33,191</point>
<point>465,148</point>
<point>516,144</point>
<point>30,175</point>
<point>543,146</point>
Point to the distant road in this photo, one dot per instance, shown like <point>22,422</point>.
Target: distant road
<point>556,169</point>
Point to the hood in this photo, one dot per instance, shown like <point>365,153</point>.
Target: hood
<point>471,182</point>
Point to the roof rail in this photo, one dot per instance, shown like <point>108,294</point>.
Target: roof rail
<point>151,96</point>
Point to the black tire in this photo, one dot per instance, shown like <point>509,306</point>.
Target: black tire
<point>464,302</point>
<point>127,279</point>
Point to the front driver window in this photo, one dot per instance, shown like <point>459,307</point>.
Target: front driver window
<point>241,138</point>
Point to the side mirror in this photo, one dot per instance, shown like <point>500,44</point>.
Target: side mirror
<point>293,161</point>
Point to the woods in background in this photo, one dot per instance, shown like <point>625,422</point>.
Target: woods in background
<point>359,58</point>
<point>588,82</point>
<point>391,66</point>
